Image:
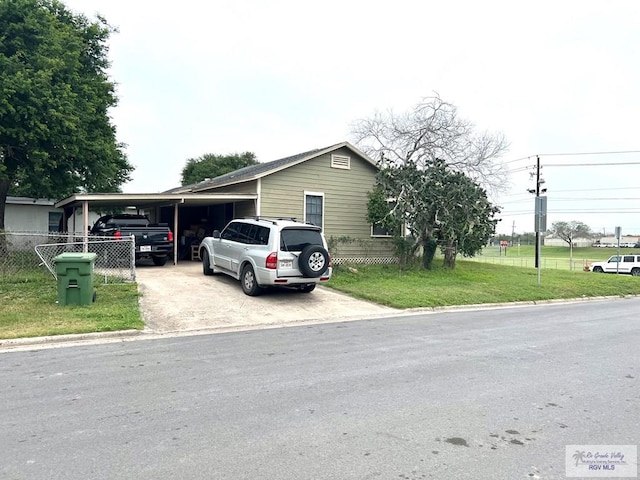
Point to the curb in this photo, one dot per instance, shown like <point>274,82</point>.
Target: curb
<point>8,344</point>
<point>53,341</point>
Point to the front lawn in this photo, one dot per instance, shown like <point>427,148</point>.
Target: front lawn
<point>474,283</point>
<point>29,308</point>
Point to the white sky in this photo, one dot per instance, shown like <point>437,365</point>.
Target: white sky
<point>281,77</point>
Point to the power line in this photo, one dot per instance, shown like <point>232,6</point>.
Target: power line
<point>517,160</point>
<point>607,164</point>
<point>619,152</point>
<point>572,199</point>
<point>623,210</point>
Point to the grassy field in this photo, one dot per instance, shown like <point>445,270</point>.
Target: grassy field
<point>550,257</point>
<point>29,308</point>
<point>475,283</point>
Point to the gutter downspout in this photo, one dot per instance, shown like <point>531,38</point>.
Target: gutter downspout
<point>175,231</point>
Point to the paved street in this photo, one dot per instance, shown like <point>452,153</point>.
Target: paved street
<point>489,394</point>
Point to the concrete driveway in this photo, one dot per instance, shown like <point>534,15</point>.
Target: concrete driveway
<point>179,298</point>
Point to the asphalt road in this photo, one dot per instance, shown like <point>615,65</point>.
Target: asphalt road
<point>490,394</point>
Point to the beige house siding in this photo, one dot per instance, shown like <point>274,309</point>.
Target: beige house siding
<point>244,209</point>
<point>345,200</point>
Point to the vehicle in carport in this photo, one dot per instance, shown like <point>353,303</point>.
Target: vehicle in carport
<point>268,252</point>
<point>153,241</point>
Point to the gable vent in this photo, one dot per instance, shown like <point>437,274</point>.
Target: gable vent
<point>341,161</point>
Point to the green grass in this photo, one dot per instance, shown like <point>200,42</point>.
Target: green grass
<point>29,308</point>
<point>474,283</point>
<point>550,257</point>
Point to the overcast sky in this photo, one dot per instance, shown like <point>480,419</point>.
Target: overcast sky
<point>281,77</point>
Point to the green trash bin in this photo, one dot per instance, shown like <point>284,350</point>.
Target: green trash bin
<point>75,278</point>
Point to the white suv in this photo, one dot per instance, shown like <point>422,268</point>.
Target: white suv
<point>267,252</point>
<point>618,264</point>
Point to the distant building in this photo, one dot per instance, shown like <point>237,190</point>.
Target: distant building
<point>25,214</point>
<point>625,241</point>
<point>551,241</point>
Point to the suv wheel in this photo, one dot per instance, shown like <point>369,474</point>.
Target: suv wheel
<point>206,267</point>
<point>313,261</point>
<point>598,269</point>
<point>248,281</point>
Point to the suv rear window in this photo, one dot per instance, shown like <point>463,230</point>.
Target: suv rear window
<point>246,233</point>
<point>295,239</point>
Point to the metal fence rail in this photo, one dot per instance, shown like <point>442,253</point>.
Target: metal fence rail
<point>545,262</point>
<point>32,252</point>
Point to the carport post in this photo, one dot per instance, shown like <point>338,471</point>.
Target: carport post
<point>175,232</point>
<point>85,226</point>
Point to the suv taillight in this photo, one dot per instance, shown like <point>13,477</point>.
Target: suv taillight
<point>170,236</point>
<point>117,235</point>
<point>272,261</point>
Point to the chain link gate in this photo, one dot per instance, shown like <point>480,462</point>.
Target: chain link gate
<point>23,252</point>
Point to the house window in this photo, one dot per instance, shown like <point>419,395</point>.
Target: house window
<point>378,230</point>
<point>341,161</point>
<point>54,221</point>
<point>314,208</point>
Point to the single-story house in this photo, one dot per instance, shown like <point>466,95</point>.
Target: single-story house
<point>326,186</point>
<point>25,214</point>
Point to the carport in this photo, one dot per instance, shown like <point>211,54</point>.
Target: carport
<point>173,203</point>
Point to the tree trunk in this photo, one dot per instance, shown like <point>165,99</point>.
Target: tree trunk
<point>429,246</point>
<point>450,253</point>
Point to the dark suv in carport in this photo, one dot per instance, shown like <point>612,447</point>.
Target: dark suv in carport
<point>266,252</point>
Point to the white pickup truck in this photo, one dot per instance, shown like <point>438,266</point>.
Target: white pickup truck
<point>618,264</point>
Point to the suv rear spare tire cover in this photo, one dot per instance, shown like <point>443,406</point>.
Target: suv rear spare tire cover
<point>313,261</point>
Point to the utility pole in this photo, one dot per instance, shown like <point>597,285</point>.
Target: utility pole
<point>537,191</point>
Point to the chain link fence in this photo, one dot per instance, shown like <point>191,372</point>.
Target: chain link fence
<point>24,253</point>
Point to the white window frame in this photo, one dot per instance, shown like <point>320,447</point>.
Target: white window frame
<point>304,204</point>
<point>378,235</point>
<point>337,161</point>
<point>389,200</point>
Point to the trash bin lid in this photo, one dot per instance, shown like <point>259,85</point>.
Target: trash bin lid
<point>75,257</point>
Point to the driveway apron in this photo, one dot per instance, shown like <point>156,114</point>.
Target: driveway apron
<point>179,298</point>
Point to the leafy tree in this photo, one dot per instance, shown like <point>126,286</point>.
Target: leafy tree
<point>438,206</point>
<point>432,131</point>
<point>210,165</point>
<point>466,218</point>
<point>569,231</point>
<point>56,135</point>
<point>432,162</point>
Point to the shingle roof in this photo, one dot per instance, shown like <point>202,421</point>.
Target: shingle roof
<point>252,171</point>
<point>256,171</point>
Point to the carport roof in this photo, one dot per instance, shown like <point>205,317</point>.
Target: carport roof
<point>147,200</point>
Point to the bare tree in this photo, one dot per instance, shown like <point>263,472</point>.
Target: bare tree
<point>433,131</point>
